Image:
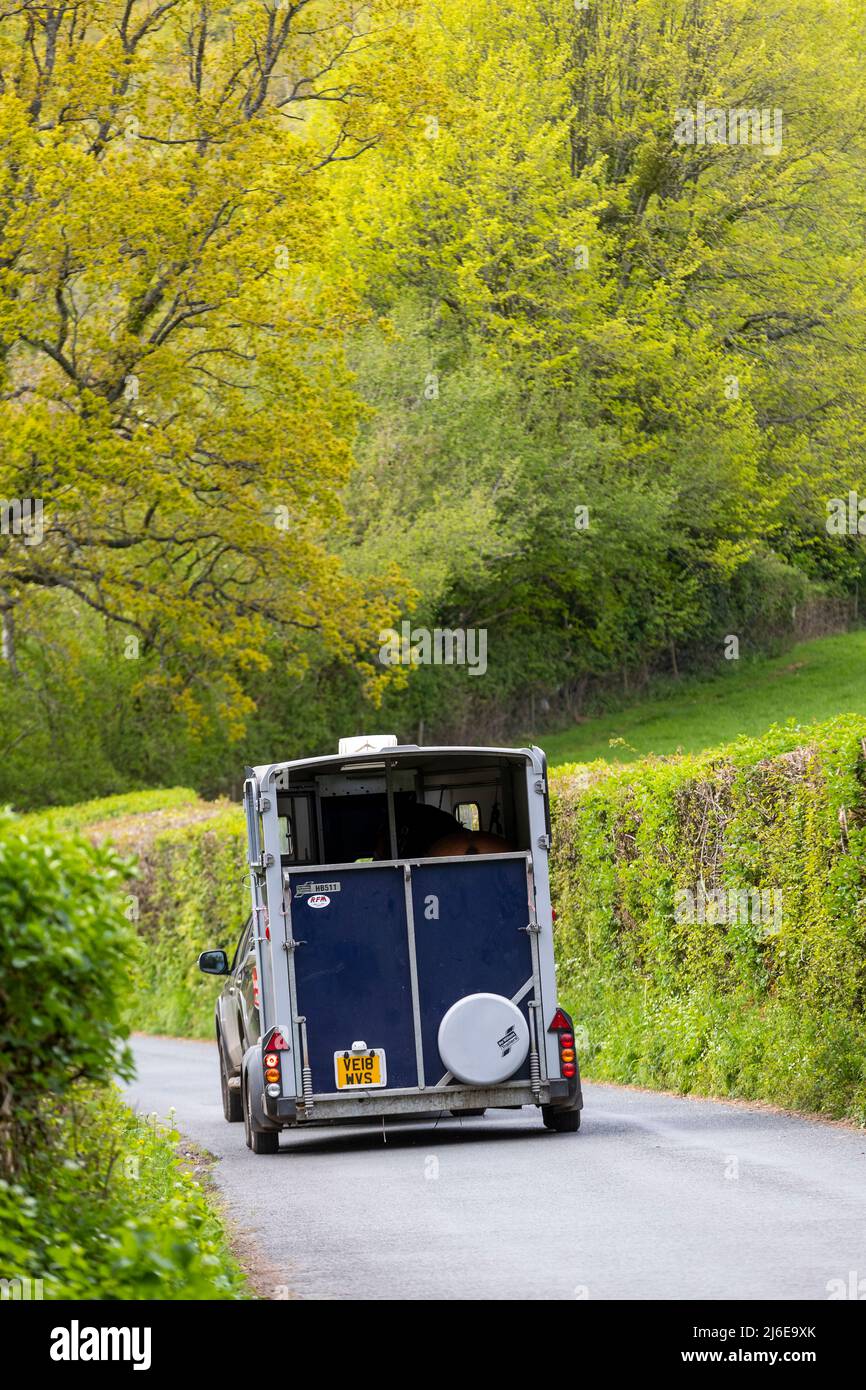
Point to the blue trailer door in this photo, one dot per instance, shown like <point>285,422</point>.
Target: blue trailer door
<point>468,915</point>
<point>352,974</point>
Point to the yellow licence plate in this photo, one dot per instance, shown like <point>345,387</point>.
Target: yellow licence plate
<point>354,1069</point>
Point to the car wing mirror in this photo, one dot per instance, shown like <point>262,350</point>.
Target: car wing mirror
<point>214,962</point>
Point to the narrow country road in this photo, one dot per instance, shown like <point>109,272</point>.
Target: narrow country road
<point>656,1197</point>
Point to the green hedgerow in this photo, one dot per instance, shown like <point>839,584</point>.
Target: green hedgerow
<point>711,926</point>
<point>66,950</point>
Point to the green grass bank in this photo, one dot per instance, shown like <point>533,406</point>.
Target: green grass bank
<point>810,683</point>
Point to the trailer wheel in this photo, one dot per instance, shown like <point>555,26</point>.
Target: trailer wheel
<point>559,1120</point>
<point>469,1114</point>
<point>233,1105</point>
<point>261,1141</point>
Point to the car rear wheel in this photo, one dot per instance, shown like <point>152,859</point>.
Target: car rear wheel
<point>233,1105</point>
<point>559,1120</point>
<point>261,1141</point>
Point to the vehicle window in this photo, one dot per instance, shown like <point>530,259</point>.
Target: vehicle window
<point>287,839</point>
<point>243,943</point>
<point>467,814</point>
<point>297,838</point>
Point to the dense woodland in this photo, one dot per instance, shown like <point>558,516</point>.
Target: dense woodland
<point>316,317</point>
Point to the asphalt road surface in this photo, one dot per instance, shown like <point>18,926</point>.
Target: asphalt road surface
<point>656,1197</point>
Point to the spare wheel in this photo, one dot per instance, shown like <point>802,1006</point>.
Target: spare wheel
<point>483,1039</point>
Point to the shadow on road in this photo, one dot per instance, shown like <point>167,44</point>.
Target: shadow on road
<point>413,1134</point>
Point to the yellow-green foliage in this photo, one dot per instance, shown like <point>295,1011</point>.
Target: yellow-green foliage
<point>87,813</point>
<point>188,211</point>
<point>769,1008</point>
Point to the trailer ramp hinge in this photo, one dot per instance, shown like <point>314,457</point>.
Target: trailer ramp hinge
<point>266,861</point>
<point>539,786</point>
<point>292,944</point>
<point>532,927</point>
<point>264,803</point>
<point>544,842</point>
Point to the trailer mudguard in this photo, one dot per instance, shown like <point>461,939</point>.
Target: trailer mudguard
<point>253,1077</point>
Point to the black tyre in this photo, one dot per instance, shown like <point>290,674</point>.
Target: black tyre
<point>261,1141</point>
<point>559,1120</point>
<point>233,1104</point>
<point>469,1114</point>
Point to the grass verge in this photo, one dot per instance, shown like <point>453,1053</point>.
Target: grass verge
<point>107,1209</point>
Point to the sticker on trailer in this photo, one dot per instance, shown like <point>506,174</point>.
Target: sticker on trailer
<point>319,900</point>
<point>355,1070</point>
<point>303,890</point>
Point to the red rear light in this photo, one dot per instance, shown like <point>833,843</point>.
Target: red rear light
<point>276,1042</point>
<point>561,1024</point>
<point>272,1060</point>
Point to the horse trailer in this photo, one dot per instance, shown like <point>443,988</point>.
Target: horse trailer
<point>398,958</point>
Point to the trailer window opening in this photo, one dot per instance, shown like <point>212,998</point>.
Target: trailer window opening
<point>447,807</point>
<point>468,815</point>
<point>442,813</point>
<point>352,826</point>
<point>297,829</point>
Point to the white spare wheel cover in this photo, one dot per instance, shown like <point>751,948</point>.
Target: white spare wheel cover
<point>483,1039</point>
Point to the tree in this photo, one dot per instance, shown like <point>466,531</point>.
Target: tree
<point>172,389</point>
<point>675,328</point>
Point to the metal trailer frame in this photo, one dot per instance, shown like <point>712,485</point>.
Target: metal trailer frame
<point>275,944</point>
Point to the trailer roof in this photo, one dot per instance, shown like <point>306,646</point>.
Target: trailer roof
<point>404,751</point>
